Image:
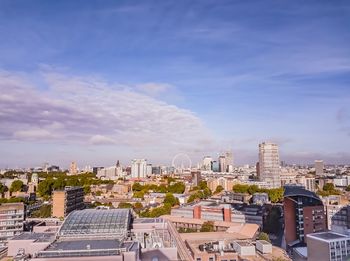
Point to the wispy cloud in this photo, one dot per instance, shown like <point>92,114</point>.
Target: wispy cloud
<point>85,110</point>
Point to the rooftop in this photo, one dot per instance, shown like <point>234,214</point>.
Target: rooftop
<point>290,191</point>
<point>96,222</point>
<point>38,237</point>
<point>327,236</point>
<point>85,244</point>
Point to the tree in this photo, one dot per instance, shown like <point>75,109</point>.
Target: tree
<point>240,188</point>
<point>178,188</point>
<point>275,195</point>
<point>87,189</point>
<point>137,187</point>
<point>264,236</point>
<point>203,184</point>
<point>207,193</point>
<point>218,189</point>
<point>348,188</point>
<point>207,226</point>
<point>170,199</point>
<point>124,205</point>
<point>17,185</point>
<point>45,188</point>
<point>3,188</point>
<point>59,183</point>
<point>139,194</point>
<point>138,206</point>
<point>43,212</point>
<point>328,187</point>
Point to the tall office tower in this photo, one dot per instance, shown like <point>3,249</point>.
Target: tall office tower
<point>229,161</point>
<point>303,214</point>
<point>215,166</point>
<point>196,177</point>
<point>149,170</point>
<point>66,200</point>
<point>207,163</point>
<point>139,168</point>
<point>73,169</point>
<point>319,166</point>
<point>222,164</point>
<point>12,218</point>
<point>269,164</point>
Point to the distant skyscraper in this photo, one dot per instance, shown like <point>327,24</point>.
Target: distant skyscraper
<point>138,168</point>
<point>319,166</point>
<point>73,169</point>
<point>207,163</point>
<point>222,164</point>
<point>229,161</point>
<point>269,164</point>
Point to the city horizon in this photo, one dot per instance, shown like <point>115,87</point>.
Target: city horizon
<point>97,82</point>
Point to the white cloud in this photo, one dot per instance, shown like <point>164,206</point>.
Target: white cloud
<point>88,110</point>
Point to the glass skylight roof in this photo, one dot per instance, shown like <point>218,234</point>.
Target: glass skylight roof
<point>94,222</point>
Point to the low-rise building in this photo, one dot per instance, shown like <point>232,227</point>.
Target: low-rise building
<point>328,246</point>
<point>11,221</point>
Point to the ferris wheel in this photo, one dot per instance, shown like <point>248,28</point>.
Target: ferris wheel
<point>181,161</point>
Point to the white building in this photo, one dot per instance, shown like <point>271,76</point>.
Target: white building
<point>319,166</point>
<point>269,164</point>
<point>139,168</point>
<point>207,163</point>
<point>110,173</point>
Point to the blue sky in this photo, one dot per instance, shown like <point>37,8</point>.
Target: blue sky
<point>97,81</point>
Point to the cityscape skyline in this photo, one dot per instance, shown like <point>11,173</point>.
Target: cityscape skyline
<point>151,80</point>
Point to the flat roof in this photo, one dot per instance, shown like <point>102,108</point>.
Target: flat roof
<point>148,220</point>
<point>327,236</point>
<point>38,237</point>
<point>244,243</point>
<point>85,244</point>
<point>264,242</point>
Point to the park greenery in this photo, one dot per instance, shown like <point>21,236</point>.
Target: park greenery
<point>218,189</point>
<point>139,190</point>
<point>11,200</point>
<point>156,212</point>
<point>275,194</point>
<point>43,212</point>
<point>328,189</point>
<point>16,185</point>
<point>199,192</point>
<point>57,181</point>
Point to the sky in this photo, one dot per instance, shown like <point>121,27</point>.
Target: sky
<point>97,81</point>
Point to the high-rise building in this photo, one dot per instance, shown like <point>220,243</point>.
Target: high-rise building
<point>73,169</point>
<point>222,163</point>
<point>269,164</point>
<point>12,217</point>
<point>66,200</point>
<point>139,168</point>
<point>319,166</point>
<point>229,161</point>
<point>196,177</point>
<point>303,214</point>
<point>215,166</point>
<point>207,163</point>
